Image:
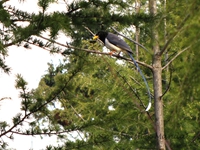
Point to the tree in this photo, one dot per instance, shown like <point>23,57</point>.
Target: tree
<point>157,80</point>
<point>100,99</point>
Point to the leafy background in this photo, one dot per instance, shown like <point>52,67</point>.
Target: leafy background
<point>98,96</point>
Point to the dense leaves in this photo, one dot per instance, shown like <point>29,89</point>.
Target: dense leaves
<point>96,101</point>
<point>94,97</point>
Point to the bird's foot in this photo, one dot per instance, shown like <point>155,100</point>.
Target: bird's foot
<point>111,53</point>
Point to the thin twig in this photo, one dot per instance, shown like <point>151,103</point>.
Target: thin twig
<point>97,52</point>
<point>131,40</point>
<point>88,30</point>
<point>174,35</point>
<point>135,80</point>
<point>175,57</point>
<point>169,84</point>
<point>79,116</point>
<point>93,34</point>
<point>195,137</point>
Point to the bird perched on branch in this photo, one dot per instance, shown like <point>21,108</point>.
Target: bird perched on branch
<point>116,44</point>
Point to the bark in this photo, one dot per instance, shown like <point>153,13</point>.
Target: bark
<point>137,32</point>
<point>157,82</point>
<point>158,102</point>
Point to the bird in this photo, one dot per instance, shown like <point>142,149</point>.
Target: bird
<point>116,44</point>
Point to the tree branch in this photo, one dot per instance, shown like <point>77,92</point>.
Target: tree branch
<point>169,84</point>
<point>37,109</point>
<point>133,90</point>
<point>175,57</point>
<point>195,137</point>
<point>47,133</point>
<point>174,35</point>
<point>131,40</point>
<point>3,98</point>
<point>97,52</point>
<point>12,43</point>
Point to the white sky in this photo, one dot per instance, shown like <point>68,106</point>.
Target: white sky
<point>31,64</point>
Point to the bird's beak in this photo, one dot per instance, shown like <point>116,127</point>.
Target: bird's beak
<point>95,37</point>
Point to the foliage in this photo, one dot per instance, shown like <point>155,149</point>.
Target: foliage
<point>91,94</point>
<point>95,100</point>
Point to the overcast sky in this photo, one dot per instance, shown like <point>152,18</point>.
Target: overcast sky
<point>31,64</point>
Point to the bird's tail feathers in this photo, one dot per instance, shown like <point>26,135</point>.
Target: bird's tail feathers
<point>145,81</point>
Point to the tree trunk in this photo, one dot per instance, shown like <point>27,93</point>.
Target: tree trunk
<point>158,103</point>
<point>137,34</point>
<point>157,82</point>
<point>137,30</point>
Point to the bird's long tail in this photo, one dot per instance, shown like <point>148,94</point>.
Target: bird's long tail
<point>145,81</point>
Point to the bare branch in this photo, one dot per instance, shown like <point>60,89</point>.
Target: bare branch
<point>88,30</point>
<point>175,57</point>
<point>131,40</point>
<point>143,64</point>
<point>137,82</point>
<point>169,84</point>
<point>49,50</point>
<point>133,90</point>
<point>93,34</point>
<point>77,114</point>
<point>195,137</point>
<point>174,35</point>
<point>97,52</point>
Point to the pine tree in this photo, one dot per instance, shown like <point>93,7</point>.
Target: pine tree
<point>95,96</point>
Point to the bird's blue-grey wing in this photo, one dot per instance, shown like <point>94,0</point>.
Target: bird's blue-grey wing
<point>115,40</point>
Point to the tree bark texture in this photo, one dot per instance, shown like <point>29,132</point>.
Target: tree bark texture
<point>157,82</point>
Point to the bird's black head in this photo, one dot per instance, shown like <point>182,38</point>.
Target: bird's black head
<point>101,35</point>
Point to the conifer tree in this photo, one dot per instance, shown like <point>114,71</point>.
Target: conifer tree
<point>93,95</point>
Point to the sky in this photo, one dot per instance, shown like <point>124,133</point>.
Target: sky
<point>31,64</point>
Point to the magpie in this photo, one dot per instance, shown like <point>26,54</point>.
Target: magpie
<point>116,44</point>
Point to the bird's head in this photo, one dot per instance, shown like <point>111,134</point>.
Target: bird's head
<point>101,35</point>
